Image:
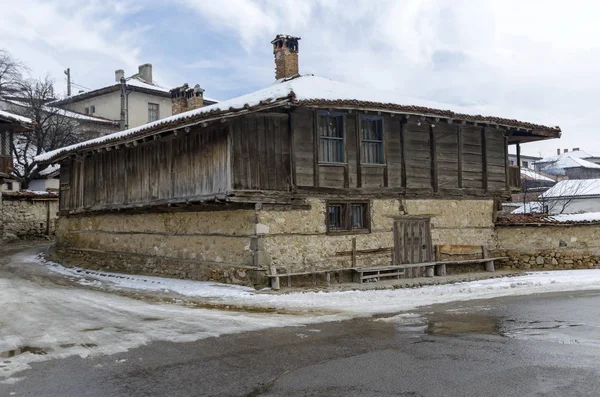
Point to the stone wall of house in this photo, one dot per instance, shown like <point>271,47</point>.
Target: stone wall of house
<point>297,240</point>
<point>26,217</point>
<point>200,245</point>
<point>240,246</point>
<point>548,246</point>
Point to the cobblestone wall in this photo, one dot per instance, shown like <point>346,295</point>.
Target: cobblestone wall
<point>26,218</point>
<point>549,246</point>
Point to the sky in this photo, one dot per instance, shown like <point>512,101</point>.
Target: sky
<point>531,60</point>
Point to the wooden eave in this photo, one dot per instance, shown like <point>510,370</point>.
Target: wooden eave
<point>166,129</point>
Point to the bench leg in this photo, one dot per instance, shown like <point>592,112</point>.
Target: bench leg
<point>328,279</point>
<point>440,270</point>
<point>489,266</point>
<point>430,271</point>
<point>274,280</point>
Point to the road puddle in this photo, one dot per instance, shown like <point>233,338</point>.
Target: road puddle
<point>22,350</point>
<point>453,324</point>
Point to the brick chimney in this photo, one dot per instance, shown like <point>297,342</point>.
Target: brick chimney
<point>119,74</point>
<point>566,151</point>
<point>285,49</point>
<point>145,72</point>
<point>575,149</point>
<point>185,98</point>
<point>557,151</point>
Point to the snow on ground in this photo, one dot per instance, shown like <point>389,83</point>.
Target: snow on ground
<point>356,303</point>
<point>58,322</point>
<point>67,321</point>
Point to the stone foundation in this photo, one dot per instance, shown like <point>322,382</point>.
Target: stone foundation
<point>240,246</point>
<point>26,217</point>
<point>548,246</point>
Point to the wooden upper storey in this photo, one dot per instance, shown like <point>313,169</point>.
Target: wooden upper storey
<point>288,153</point>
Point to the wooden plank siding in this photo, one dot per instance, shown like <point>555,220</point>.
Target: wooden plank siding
<point>183,166</point>
<point>261,152</point>
<point>277,151</point>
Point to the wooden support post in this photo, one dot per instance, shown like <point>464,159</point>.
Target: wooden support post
<point>328,274</point>
<point>518,155</point>
<point>506,164</point>
<point>353,251</point>
<point>430,271</point>
<point>402,153</point>
<point>274,280</point>
<point>433,152</point>
<point>289,281</point>
<point>484,167</point>
<point>459,131</point>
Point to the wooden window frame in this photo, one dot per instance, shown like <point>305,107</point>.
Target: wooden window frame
<point>319,138</point>
<point>153,110</point>
<point>346,219</point>
<point>381,142</point>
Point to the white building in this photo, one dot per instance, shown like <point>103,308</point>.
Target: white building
<point>145,100</point>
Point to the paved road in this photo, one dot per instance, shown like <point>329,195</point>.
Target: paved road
<point>542,345</point>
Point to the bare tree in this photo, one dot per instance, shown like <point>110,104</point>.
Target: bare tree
<point>52,128</point>
<point>558,200</point>
<point>11,73</point>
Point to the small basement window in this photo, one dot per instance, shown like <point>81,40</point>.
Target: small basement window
<point>348,217</point>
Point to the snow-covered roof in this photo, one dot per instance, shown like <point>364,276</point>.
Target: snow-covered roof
<point>558,166</point>
<point>531,207</point>
<point>63,112</point>
<point>576,154</point>
<point>310,91</point>
<point>4,115</point>
<point>574,188</point>
<point>585,217</point>
<point>532,175</point>
<point>51,169</point>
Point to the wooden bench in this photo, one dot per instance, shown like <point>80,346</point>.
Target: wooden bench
<point>376,273</point>
<point>274,276</point>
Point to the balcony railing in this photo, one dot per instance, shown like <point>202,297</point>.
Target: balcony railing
<point>514,177</point>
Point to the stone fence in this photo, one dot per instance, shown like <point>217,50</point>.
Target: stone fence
<point>27,214</point>
<point>548,246</point>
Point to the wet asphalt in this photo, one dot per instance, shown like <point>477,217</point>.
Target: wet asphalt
<point>537,345</point>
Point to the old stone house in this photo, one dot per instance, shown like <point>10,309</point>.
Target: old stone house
<point>304,175</point>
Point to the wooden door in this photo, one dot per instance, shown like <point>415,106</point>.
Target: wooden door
<point>412,243</point>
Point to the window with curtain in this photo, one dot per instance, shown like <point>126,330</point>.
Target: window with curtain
<point>348,217</point>
<point>152,112</point>
<point>331,137</point>
<point>371,140</point>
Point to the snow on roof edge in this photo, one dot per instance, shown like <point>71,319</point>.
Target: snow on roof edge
<point>307,90</point>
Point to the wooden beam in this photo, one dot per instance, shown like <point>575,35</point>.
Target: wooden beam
<point>358,162</point>
<point>459,131</point>
<point>484,172</point>
<point>506,164</point>
<point>518,154</point>
<point>433,152</point>
<point>315,149</point>
<point>403,152</point>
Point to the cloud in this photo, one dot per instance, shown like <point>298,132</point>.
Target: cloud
<point>534,60</point>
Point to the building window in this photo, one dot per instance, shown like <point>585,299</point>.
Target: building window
<point>371,140</point>
<point>331,137</point>
<point>525,164</point>
<point>92,109</point>
<point>87,110</point>
<point>152,112</point>
<point>348,217</point>
<point>9,186</point>
<point>511,162</point>
<point>4,143</point>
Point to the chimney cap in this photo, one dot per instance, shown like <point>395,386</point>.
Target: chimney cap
<point>575,149</point>
<point>285,37</point>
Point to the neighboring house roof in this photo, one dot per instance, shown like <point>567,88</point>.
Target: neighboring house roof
<point>574,188</point>
<point>531,207</point>
<point>65,113</point>
<point>136,83</point>
<point>536,219</point>
<point>531,175</point>
<point>558,166</point>
<point>11,117</point>
<point>580,154</point>
<point>305,90</point>
<point>52,171</point>
<point>29,194</point>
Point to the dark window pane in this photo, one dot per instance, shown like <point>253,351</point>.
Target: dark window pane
<point>372,141</point>
<point>357,216</point>
<point>335,216</point>
<point>331,142</point>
